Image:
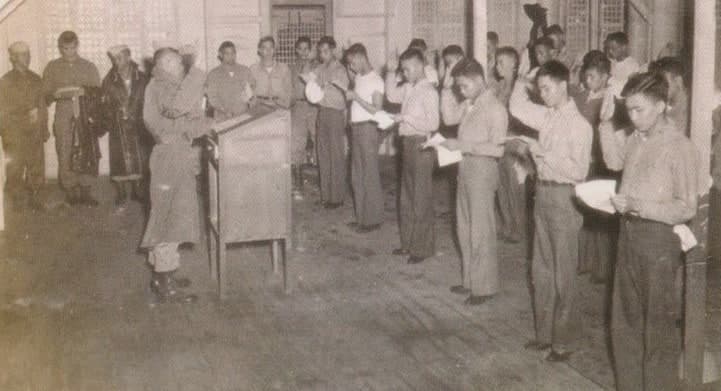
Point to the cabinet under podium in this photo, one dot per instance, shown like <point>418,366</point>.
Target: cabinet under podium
<point>249,188</point>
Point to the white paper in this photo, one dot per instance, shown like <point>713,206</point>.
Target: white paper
<point>314,92</point>
<point>597,194</point>
<point>521,172</point>
<point>436,140</point>
<point>447,157</point>
<point>688,240</point>
<point>383,119</point>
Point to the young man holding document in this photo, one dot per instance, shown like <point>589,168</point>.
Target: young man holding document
<point>483,123</point>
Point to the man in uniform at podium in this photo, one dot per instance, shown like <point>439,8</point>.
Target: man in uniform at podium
<point>175,116</point>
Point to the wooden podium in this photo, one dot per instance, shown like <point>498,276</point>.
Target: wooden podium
<point>249,188</point>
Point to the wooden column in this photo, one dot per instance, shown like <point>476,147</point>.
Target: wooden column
<point>480,28</point>
<point>702,105</point>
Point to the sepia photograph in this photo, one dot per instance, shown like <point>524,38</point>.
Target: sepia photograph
<point>360,195</point>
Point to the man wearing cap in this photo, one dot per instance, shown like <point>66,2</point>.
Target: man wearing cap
<point>70,70</point>
<point>23,127</point>
<point>228,85</point>
<point>128,143</point>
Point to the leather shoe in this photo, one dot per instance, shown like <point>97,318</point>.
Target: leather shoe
<point>400,251</point>
<point>555,356</point>
<point>537,345</point>
<point>460,290</point>
<point>413,260</point>
<point>477,300</point>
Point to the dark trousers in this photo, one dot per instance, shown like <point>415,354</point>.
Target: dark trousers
<point>331,154</point>
<point>512,203</point>
<point>476,224</point>
<point>365,174</point>
<point>553,269</point>
<point>25,168</point>
<point>646,305</point>
<point>63,146</point>
<point>416,200</point>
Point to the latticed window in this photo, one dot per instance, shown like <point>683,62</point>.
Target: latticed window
<point>291,22</point>
<point>577,26</point>
<point>440,22</point>
<point>104,23</point>
<point>611,18</point>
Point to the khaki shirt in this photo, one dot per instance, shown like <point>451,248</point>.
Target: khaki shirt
<point>483,124</point>
<point>227,88</point>
<point>60,73</point>
<point>420,105</point>
<point>564,136</point>
<point>276,83</point>
<point>333,97</point>
<point>660,171</point>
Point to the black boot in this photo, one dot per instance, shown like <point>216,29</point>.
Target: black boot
<point>165,290</point>
<point>121,196</point>
<point>86,198</point>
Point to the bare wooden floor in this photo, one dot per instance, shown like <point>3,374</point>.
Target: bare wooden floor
<point>76,314</point>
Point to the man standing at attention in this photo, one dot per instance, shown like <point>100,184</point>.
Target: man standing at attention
<point>333,78</point>
<point>562,155</point>
<point>483,124</point>
<point>659,189</point>
<point>70,70</point>
<point>303,115</point>
<point>228,85</point>
<point>175,116</point>
<point>419,117</point>
<point>367,97</point>
<point>23,128</point>
<point>271,83</point>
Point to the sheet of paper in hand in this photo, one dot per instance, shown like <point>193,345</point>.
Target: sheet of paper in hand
<point>445,156</point>
<point>688,240</point>
<point>597,194</point>
<point>314,92</point>
<point>383,119</point>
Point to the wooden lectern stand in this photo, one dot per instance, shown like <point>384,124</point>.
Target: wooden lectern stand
<point>249,188</point>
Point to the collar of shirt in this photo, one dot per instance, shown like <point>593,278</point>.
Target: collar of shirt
<point>662,127</point>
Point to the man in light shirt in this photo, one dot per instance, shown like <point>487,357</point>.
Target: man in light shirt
<point>419,117</point>
<point>271,83</point>
<point>673,71</point>
<point>483,124</point>
<point>367,99</point>
<point>562,155</point>
<point>228,85</point>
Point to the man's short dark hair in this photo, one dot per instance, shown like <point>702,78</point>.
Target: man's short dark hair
<point>555,70</point>
<point>543,41</point>
<point>553,29</point>
<point>226,45</point>
<point>619,37</point>
<point>650,84</point>
<point>357,49</point>
<point>418,43</point>
<point>67,37</point>
<point>303,39</point>
<point>452,50</point>
<point>672,65</point>
<point>412,53</point>
<point>596,59</point>
<point>468,67</point>
<point>265,39</point>
<point>327,40</point>
<point>492,36</point>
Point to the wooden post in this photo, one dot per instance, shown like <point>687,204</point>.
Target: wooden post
<point>702,105</point>
<point>480,28</point>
